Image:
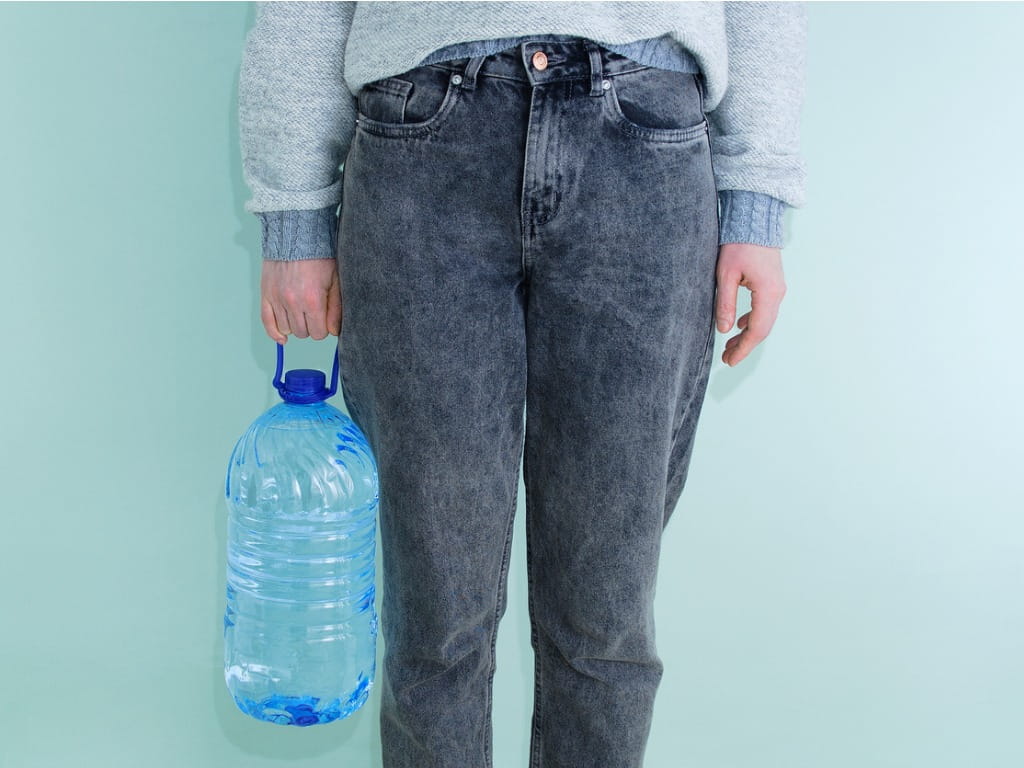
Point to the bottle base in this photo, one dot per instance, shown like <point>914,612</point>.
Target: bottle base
<point>303,710</point>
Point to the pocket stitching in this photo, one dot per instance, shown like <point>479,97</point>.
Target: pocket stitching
<point>661,135</point>
<point>390,86</point>
<point>412,130</point>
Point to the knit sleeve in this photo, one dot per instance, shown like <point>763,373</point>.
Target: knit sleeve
<point>755,128</point>
<point>750,217</point>
<point>296,116</point>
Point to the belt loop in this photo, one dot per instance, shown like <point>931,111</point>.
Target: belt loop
<point>469,73</point>
<point>596,71</point>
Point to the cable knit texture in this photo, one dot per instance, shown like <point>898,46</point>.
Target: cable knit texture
<point>300,234</point>
<point>304,63</point>
<point>747,217</point>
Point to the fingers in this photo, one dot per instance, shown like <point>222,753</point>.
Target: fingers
<point>300,297</point>
<point>334,306</point>
<point>725,295</point>
<point>315,323</point>
<point>270,323</point>
<point>305,327</point>
<point>755,324</point>
<point>759,269</point>
<point>286,322</point>
<point>317,303</point>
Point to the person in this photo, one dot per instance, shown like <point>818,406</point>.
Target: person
<point>523,221</point>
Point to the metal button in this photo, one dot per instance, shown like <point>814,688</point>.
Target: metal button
<point>456,79</point>
<point>606,84</point>
<point>540,60</point>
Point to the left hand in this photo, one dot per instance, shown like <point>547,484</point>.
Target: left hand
<point>759,269</point>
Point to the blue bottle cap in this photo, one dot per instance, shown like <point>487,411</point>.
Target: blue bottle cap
<point>304,385</point>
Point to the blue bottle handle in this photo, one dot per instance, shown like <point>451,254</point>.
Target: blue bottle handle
<point>279,386</point>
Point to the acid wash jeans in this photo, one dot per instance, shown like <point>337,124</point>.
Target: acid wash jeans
<point>537,228</point>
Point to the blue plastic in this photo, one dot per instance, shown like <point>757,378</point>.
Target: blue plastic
<point>304,385</point>
<point>300,626</point>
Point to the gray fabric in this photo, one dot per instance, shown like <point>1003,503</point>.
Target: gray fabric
<point>304,63</point>
<point>748,217</point>
<point>515,237</point>
<point>299,234</point>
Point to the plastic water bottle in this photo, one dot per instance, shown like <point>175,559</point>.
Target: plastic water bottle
<point>300,626</point>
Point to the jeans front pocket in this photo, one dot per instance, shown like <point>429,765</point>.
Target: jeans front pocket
<point>411,104</point>
<point>658,105</point>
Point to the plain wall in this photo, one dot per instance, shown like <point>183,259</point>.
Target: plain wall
<point>841,583</point>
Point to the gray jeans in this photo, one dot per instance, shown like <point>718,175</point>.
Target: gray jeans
<point>520,231</point>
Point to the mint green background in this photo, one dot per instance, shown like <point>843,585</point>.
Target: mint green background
<point>842,582</point>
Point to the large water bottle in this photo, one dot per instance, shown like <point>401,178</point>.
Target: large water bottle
<point>300,627</point>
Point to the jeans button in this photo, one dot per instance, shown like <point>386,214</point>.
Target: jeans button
<point>540,60</point>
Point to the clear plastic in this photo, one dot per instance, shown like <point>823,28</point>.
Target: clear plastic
<point>300,626</point>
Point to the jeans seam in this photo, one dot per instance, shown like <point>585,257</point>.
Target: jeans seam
<point>525,220</point>
<point>691,378</point>
<point>500,597</point>
<point>538,713</point>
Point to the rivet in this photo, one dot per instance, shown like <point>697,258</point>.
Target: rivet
<point>456,79</point>
<point>606,84</point>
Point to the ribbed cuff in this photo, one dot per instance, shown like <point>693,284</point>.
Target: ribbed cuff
<point>299,234</point>
<point>750,217</point>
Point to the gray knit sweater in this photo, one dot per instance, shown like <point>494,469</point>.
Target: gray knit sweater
<point>304,63</point>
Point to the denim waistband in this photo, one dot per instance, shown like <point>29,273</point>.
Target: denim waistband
<point>569,57</point>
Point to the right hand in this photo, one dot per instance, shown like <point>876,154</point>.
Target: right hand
<point>301,297</point>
